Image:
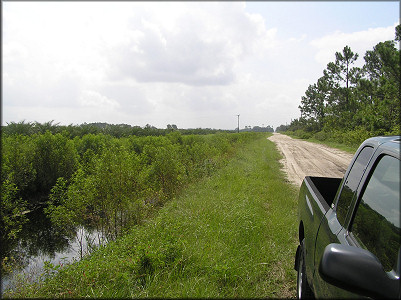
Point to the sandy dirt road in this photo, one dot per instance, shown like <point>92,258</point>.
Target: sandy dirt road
<point>302,158</point>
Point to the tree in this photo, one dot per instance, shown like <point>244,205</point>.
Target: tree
<point>172,127</point>
<point>382,70</point>
<point>341,79</point>
<point>47,126</point>
<point>313,103</point>
<point>344,61</point>
<point>18,128</point>
<point>398,33</point>
<point>341,75</point>
<point>17,163</point>
<point>54,156</point>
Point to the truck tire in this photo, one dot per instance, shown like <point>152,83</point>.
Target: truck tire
<point>303,289</point>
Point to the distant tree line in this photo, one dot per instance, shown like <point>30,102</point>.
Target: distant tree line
<point>350,104</point>
<point>257,129</point>
<point>115,130</point>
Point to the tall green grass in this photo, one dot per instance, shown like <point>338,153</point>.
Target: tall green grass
<point>232,234</point>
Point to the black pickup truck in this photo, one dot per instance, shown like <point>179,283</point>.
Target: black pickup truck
<point>349,228</point>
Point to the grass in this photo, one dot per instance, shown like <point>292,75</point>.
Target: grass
<point>232,234</point>
<point>332,144</point>
<point>340,146</point>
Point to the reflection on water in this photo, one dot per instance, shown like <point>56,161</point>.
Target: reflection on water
<point>40,242</point>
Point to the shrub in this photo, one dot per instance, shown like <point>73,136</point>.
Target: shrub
<point>302,134</point>
<point>355,137</point>
<point>322,135</point>
<point>12,207</point>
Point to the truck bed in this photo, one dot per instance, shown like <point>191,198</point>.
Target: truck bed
<point>325,188</point>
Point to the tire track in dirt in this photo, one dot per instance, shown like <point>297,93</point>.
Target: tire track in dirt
<point>302,158</point>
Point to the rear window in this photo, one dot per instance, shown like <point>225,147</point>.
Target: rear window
<point>351,183</point>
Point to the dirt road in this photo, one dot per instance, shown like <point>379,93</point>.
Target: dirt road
<point>302,158</point>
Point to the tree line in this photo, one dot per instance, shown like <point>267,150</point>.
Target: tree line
<point>268,128</point>
<point>115,130</point>
<point>349,103</point>
<point>99,180</point>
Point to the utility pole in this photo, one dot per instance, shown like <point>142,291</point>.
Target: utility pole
<point>238,123</point>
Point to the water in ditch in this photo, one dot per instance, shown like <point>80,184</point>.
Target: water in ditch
<point>41,246</point>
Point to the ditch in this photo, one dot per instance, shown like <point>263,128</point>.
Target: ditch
<point>42,249</point>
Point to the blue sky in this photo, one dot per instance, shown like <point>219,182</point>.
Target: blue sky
<point>186,63</point>
<point>319,18</point>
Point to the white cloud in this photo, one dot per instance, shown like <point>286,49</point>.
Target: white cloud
<point>200,46</point>
<point>94,99</point>
<point>130,61</point>
<point>359,42</point>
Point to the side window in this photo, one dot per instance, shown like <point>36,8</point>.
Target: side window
<point>376,225</point>
<point>351,183</point>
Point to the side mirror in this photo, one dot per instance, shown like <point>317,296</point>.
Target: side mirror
<point>358,271</point>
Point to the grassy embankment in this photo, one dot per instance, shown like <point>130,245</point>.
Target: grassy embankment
<point>232,234</point>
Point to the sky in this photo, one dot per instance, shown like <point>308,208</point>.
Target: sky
<point>192,64</point>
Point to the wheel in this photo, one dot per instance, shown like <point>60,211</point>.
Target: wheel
<point>303,289</point>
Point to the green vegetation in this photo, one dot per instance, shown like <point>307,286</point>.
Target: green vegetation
<point>258,129</point>
<point>99,180</point>
<point>230,234</point>
<point>350,104</point>
<point>115,130</point>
